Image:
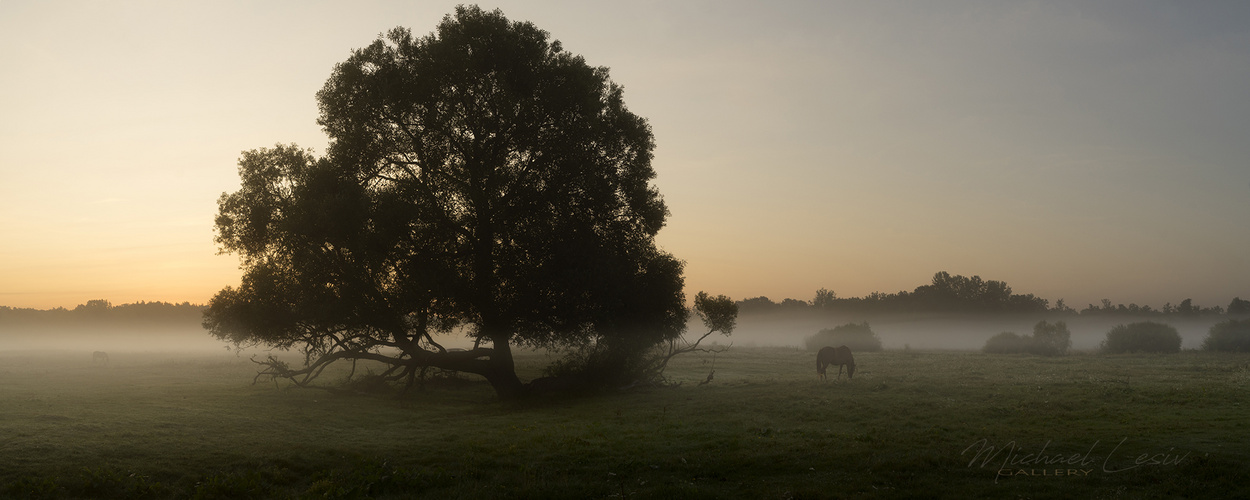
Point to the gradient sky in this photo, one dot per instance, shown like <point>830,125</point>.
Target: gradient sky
<point>1077,150</point>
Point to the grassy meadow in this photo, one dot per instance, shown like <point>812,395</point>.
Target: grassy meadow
<point>911,424</point>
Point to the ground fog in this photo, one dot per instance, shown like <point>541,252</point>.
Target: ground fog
<point>947,332</point>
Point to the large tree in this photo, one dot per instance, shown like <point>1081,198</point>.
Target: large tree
<point>478,179</point>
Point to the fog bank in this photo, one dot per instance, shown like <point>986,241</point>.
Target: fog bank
<point>947,331</point>
<point>108,338</point>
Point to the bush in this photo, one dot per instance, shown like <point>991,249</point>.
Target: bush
<point>857,336</point>
<point>1006,343</point>
<point>1146,336</point>
<point>1047,340</point>
<point>1232,335</point>
<point>1051,339</point>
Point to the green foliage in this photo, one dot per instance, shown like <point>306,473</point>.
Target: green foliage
<point>857,336</point>
<point>1232,335</point>
<point>1047,340</point>
<point>479,177</point>
<point>1146,336</point>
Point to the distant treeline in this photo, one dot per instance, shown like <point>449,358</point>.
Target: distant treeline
<point>959,294</point>
<point>945,294</point>
<point>101,311</point>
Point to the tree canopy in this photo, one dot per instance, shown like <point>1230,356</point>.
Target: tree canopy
<point>479,179</point>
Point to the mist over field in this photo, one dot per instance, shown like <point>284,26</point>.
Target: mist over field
<point>947,332</point>
<point>780,329</point>
<point>109,338</point>
<point>98,325</point>
<point>174,413</point>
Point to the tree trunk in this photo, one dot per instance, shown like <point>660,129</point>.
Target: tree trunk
<point>502,372</point>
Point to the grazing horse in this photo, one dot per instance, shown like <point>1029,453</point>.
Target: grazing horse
<point>835,356</point>
<point>100,356</point>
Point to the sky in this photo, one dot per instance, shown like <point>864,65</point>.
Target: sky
<point>1074,150</point>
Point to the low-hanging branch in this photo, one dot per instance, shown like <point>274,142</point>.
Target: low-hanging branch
<point>469,361</point>
<point>719,314</point>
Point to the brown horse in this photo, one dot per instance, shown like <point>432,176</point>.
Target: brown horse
<point>835,356</point>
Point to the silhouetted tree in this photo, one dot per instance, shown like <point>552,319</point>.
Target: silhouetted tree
<point>1231,335</point>
<point>1146,336</point>
<point>719,314</point>
<point>794,304</point>
<point>100,312</point>
<point>1186,308</point>
<point>1061,307</point>
<point>960,293</point>
<point>478,177</point>
<point>757,305</point>
<point>1051,339</point>
<point>1239,306</point>
<point>824,299</point>
<point>95,305</point>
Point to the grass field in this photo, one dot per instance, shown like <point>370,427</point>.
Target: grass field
<point>911,424</point>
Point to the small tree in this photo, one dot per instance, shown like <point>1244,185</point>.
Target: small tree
<point>857,336</point>
<point>1047,340</point>
<point>719,314</point>
<point>1006,343</point>
<point>1050,339</point>
<point>824,299</point>
<point>1232,335</point>
<point>1239,306</point>
<point>1146,336</point>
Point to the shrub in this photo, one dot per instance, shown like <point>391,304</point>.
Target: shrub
<point>1146,336</point>
<point>857,336</point>
<point>1047,340</point>
<point>1006,343</point>
<point>1050,339</point>
<point>1232,335</point>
